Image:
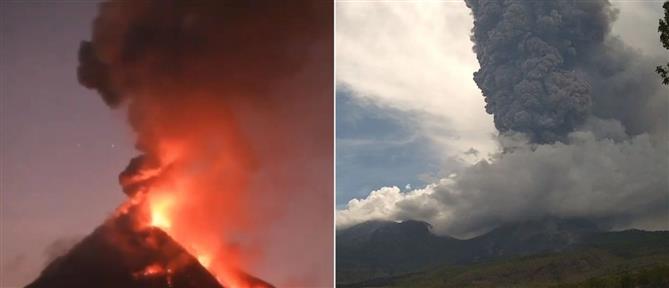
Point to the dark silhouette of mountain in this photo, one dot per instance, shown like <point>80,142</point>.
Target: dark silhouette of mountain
<point>117,255</point>
<point>376,252</point>
<point>528,238</point>
<point>384,248</point>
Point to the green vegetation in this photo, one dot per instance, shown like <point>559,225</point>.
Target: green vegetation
<point>585,268</point>
<point>630,258</point>
<point>653,277</point>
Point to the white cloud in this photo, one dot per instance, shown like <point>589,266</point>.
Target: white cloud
<point>416,57</point>
<point>637,24</point>
<point>381,204</point>
<point>623,184</point>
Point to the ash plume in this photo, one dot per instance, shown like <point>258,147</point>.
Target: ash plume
<point>528,52</point>
<point>582,127</point>
<point>551,71</point>
<point>546,66</point>
<point>230,102</point>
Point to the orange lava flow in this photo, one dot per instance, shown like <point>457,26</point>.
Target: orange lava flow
<point>162,210</point>
<point>159,213</point>
<point>200,209</point>
<point>153,269</point>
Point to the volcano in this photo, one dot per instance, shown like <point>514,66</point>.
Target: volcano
<point>118,254</point>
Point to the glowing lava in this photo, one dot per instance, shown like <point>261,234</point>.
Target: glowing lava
<point>159,214</point>
<point>154,269</point>
<point>205,260</point>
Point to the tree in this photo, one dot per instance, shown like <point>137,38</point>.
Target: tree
<point>663,28</point>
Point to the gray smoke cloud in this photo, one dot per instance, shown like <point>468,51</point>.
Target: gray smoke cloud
<point>528,51</point>
<point>546,66</point>
<point>582,121</point>
<point>617,184</point>
<point>602,175</point>
<point>623,88</point>
<point>232,100</point>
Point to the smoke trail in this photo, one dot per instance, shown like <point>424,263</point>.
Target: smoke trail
<point>231,105</point>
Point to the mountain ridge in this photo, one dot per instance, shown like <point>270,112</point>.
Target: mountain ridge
<point>369,251</point>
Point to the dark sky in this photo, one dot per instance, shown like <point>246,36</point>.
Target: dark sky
<point>62,148</point>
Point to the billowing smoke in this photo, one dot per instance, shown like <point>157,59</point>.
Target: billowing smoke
<point>546,66</point>
<point>614,184</point>
<point>528,51</point>
<point>582,122</point>
<point>231,105</point>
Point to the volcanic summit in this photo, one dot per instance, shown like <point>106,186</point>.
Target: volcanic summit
<point>119,254</point>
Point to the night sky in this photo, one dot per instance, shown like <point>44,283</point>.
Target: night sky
<point>62,148</point>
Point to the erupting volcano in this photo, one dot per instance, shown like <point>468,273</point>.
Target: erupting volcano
<point>224,99</point>
<point>119,254</point>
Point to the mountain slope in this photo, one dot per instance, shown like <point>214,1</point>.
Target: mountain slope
<point>528,238</point>
<point>118,254</point>
<point>547,250</point>
<point>379,249</point>
<point>115,256</point>
<point>570,269</point>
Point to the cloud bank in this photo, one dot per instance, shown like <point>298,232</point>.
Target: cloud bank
<point>617,184</point>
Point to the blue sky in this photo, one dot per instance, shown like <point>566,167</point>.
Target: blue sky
<point>408,109</point>
<point>407,106</point>
<point>377,146</point>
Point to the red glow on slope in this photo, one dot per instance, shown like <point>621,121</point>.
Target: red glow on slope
<point>200,209</point>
